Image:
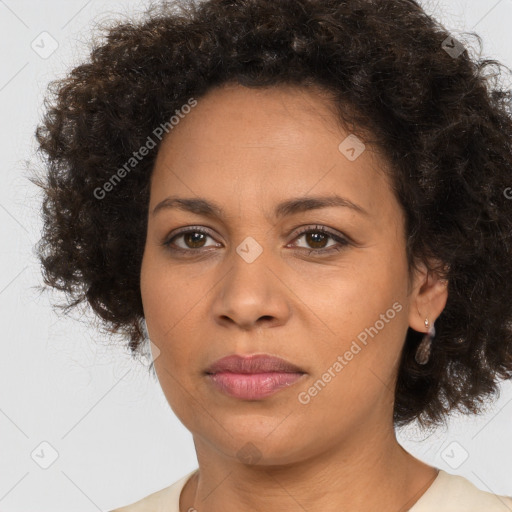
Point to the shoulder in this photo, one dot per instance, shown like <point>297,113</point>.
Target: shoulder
<point>453,493</point>
<point>164,500</point>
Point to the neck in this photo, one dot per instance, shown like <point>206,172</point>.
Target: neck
<point>360,476</point>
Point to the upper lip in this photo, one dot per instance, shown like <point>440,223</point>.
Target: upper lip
<point>257,363</point>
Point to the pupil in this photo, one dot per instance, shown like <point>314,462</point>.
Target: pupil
<point>321,235</point>
<point>189,236</point>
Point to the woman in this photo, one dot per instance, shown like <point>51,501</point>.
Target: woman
<point>303,205</point>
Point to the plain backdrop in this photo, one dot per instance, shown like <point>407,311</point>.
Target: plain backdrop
<point>82,426</point>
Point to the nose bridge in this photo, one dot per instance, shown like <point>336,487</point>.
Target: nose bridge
<point>251,290</point>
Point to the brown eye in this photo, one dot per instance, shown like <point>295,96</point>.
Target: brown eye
<point>193,239</point>
<point>317,238</point>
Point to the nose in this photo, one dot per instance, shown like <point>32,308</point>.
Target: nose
<point>252,294</point>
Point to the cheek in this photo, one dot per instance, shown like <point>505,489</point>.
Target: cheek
<point>352,299</point>
<point>365,309</point>
<point>355,372</point>
<point>166,298</point>
<point>173,306</point>
<point>169,311</point>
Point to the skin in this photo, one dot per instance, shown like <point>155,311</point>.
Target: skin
<point>247,150</point>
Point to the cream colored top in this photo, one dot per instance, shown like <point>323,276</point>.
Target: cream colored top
<point>447,493</point>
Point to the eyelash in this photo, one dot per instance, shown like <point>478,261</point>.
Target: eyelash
<point>306,230</point>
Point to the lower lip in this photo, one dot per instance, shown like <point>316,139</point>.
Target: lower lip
<point>252,386</point>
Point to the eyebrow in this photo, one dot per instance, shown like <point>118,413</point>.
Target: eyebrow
<point>202,206</point>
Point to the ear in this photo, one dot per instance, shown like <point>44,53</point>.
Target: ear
<point>427,299</point>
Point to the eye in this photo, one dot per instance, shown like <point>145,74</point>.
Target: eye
<point>320,236</point>
<point>194,238</point>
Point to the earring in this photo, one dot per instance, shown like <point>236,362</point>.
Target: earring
<point>423,351</point>
<point>145,328</point>
<point>149,349</point>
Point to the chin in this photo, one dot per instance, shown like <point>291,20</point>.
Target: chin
<point>262,442</point>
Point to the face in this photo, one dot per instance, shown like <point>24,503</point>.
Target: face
<point>245,280</point>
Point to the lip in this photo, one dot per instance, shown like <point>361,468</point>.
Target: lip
<point>252,377</point>
<point>255,363</point>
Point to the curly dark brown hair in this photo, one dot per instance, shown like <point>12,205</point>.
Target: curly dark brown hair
<point>391,70</point>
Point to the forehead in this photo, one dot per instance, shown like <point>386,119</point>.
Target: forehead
<point>250,144</point>
<point>272,116</point>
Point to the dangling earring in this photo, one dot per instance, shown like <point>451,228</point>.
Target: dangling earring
<point>145,329</point>
<point>150,350</point>
<point>147,341</point>
<point>423,351</point>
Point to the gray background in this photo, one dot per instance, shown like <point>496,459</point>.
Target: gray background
<point>114,435</point>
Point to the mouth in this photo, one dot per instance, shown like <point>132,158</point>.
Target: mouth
<point>252,377</point>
